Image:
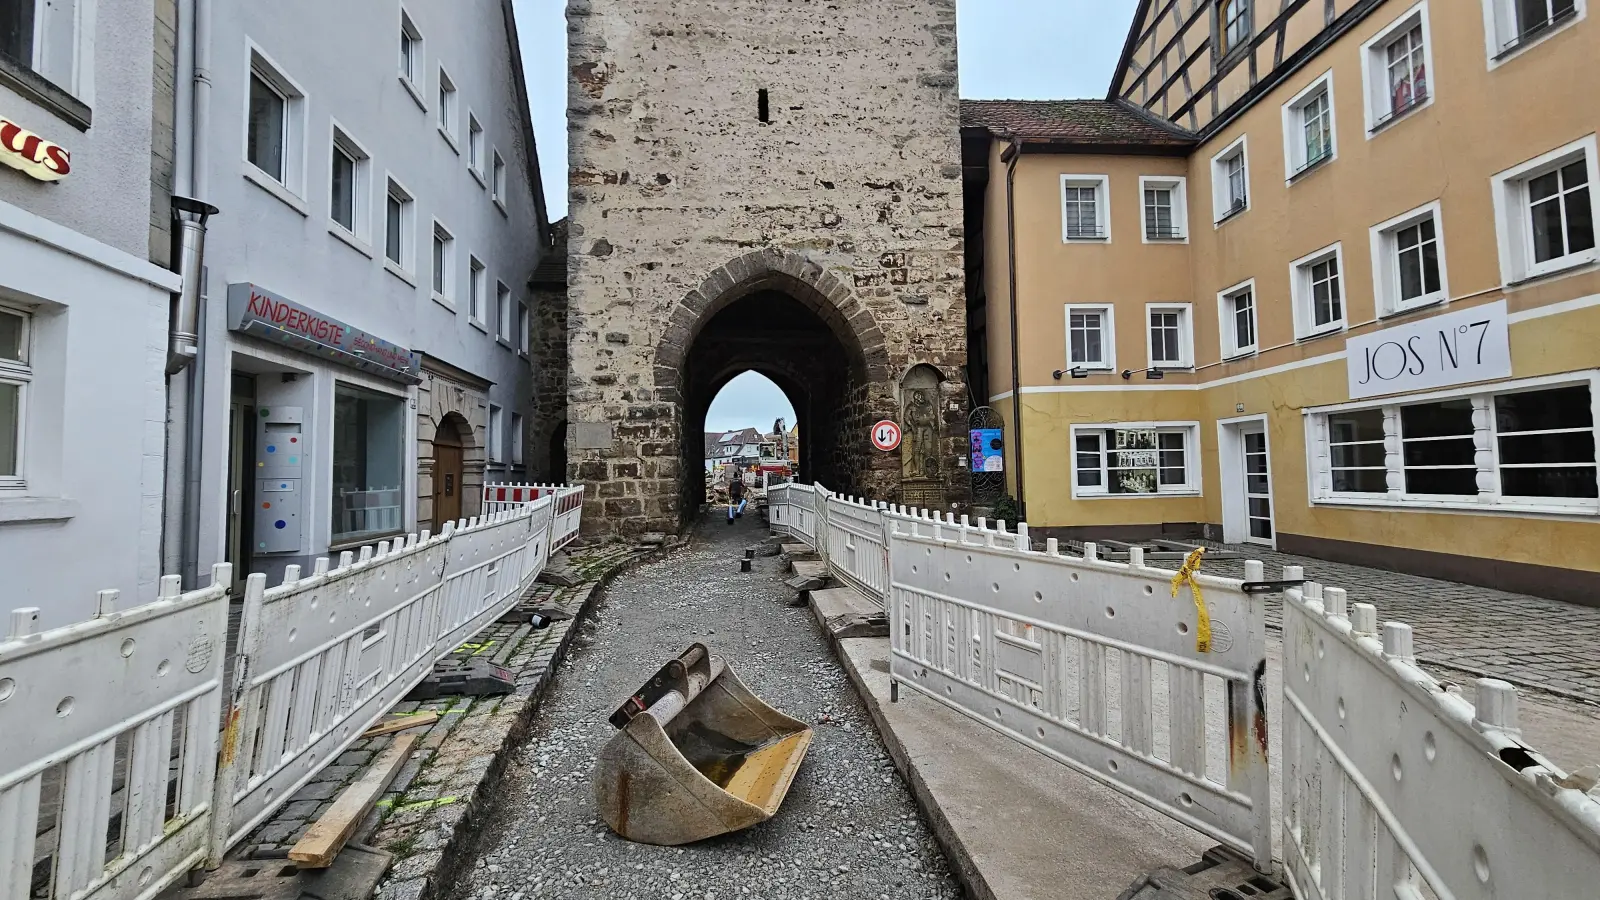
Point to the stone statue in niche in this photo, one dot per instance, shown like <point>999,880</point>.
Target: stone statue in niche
<point>920,482</point>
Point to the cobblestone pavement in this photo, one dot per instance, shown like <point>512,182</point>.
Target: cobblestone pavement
<point>433,791</point>
<point>1529,641</point>
<point>848,828</point>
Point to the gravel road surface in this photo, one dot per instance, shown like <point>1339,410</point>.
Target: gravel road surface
<point>848,827</point>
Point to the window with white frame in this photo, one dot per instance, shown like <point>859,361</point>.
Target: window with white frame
<point>16,373</point>
<point>398,224</point>
<point>1090,339</point>
<point>1527,445</point>
<point>1230,181</point>
<point>1408,265</point>
<point>522,327</point>
<point>1396,64</point>
<point>1233,24</point>
<point>1135,459</point>
<point>1085,210</point>
<point>1171,338</point>
<point>477,288</point>
<point>497,449</point>
<point>1317,284</point>
<point>474,145</point>
<point>497,180</point>
<point>1519,24</point>
<point>1356,454</point>
<point>348,185</point>
<point>274,123</point>
<point>516,439</point>
<point>43,37</point>
<point>444,263</point>
<point>410,50</point>
<point>502,312</point>
<point>1545,212</point>
<point>1308,127</point>
<point>1166,207</point>
<point>1237,318</point>
<point>447,106</point>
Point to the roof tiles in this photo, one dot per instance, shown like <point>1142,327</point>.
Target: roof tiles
<point>1107,122</point>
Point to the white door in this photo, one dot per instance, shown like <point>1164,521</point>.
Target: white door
<point>1257,485</point>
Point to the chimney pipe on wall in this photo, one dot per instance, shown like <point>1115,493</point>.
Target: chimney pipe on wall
<point>188,260</point>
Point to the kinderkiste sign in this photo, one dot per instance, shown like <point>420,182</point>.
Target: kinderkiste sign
<point>257,311</point>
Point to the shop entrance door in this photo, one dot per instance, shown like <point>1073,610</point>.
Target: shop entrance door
<point>447,472</point>
<point>1257,485</point>
<point>241,477</point>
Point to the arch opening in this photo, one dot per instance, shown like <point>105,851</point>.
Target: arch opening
<point>451,440</point>
<point>774,334</point>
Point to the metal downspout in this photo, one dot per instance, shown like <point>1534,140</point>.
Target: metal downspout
<point>198,187</point>
<point>1010,156</point>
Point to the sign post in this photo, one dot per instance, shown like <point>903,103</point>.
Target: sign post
<point>886,436</point>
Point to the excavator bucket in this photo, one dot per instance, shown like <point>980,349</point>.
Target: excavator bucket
<point>697,755</point>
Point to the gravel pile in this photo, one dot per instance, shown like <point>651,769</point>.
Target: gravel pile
<point>848,827</point>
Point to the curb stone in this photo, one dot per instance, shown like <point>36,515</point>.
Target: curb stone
<point>434,822</point>
<point>955,850</point>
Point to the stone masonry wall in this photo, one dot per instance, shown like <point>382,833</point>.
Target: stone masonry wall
<point>549,346</point>
<point>682,200</point>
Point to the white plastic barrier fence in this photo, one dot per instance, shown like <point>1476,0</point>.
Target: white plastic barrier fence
<point>109,745</point>
<point>779,512</point>
<point>855,544</point>
<point>499,498</point>
<point>803,512</point>
<point>1094,664</point>
<point>568,513</point>
<point>321,658</point>
<point>1395,787</point>
<point>507,497</point>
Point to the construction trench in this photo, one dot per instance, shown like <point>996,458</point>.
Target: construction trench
<point>848,826</point>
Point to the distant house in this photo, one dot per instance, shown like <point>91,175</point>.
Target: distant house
<point>725,447</point>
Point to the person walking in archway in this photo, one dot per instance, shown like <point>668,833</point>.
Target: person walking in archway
<point>736,498</point>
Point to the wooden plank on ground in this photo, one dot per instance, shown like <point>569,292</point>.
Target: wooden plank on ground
<point>326,837</point>
<point>402,724</point>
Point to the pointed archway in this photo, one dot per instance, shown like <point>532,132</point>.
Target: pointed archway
<point>785,317</point>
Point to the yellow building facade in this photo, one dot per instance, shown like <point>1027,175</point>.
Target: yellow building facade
<point>1323,279</point>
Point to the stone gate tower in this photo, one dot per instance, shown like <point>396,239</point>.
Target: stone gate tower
<point>771,185</point>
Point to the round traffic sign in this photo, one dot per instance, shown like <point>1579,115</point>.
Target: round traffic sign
<point>886,435</point>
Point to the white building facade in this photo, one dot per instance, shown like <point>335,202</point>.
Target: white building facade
<point>83,310</point>
<point>364,331</point>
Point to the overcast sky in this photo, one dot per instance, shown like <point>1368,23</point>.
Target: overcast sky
<point>1020,49</point>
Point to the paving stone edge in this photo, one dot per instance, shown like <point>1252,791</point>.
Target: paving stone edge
<point>422,882</point>
<point>955,850</point>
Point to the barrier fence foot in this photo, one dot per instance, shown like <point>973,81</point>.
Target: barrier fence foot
<point>894,691</point>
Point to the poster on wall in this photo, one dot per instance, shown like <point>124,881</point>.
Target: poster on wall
<point>1135,461</point>
<point>988,450</point>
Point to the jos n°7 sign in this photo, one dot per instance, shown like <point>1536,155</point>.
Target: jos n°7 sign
<point>1455,348</point>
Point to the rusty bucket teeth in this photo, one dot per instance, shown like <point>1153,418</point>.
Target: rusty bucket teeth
<point>696,755</point>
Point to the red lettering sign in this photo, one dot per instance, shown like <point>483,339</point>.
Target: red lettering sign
<point>23,150</point>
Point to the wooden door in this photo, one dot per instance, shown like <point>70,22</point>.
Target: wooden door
<point>447,472</point>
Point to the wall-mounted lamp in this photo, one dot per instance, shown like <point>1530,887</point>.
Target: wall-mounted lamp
<point>1075,372</point>
<point>1154,374</point>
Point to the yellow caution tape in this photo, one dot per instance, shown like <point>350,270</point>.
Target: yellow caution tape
<point>1191,567</point>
